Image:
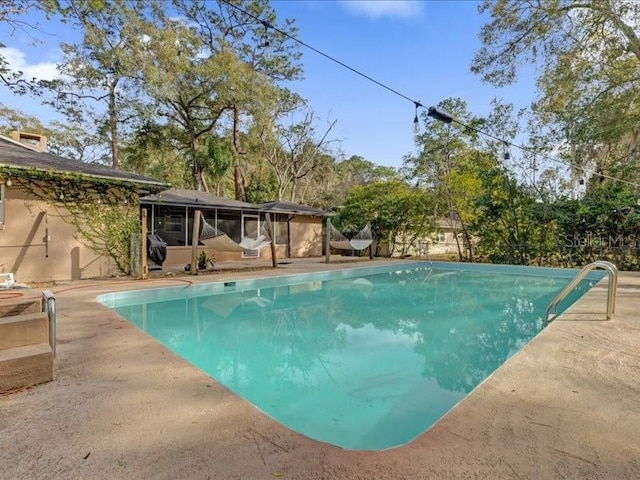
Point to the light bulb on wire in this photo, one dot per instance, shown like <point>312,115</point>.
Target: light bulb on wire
<point>416,121</point>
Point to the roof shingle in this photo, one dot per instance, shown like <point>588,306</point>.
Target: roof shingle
<point>13,154</point>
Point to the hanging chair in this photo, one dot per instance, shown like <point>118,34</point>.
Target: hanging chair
<point>361,241</point>
<point>216,239</point>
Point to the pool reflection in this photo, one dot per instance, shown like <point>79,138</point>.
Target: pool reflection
<point>364,363</point>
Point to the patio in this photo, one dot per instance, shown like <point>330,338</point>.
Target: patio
<point>124,407</point>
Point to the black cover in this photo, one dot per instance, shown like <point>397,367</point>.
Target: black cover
<point>156,250</point>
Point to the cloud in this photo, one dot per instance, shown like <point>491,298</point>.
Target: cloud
<point>375,9</point>
<point>16,60</point>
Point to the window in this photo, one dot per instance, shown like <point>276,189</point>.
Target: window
<point>170,224</point>
<point>250,226</point>
<point>282,230</point>
<point>230,223</point>
<point>174,223</point>
<point>2,204</point>
<point>441,236</point>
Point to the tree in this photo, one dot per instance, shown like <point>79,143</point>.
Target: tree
<point>207,75</point>
<point>97,85</point>
<point>601,225</point>
<point>68,141</point>
<point>190,91</point>
<point>356,170</point>
<point>294,151</point>
<point>587,59</point>
<point>399,214</point>
<point>252,36</point>
<point>266,54</point>
<point>94,87</point>
<point>330,182</point>
<point>12,12</point>
<point>509,225</point>
<point>439,167</point>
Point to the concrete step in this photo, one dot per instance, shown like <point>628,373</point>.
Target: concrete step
<point>25,366</point>
<point>20,307</point>
<point>23,330</point>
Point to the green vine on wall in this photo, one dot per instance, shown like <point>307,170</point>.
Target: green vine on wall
<point>105,212</point>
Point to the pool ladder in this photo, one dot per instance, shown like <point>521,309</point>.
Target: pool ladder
<point>552,310</point>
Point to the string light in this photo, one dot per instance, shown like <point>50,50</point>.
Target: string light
<point>432,111</point>
<point>435,112</point>
<point>506,154</point>
<point>416,121</point>
<point>265,39</point>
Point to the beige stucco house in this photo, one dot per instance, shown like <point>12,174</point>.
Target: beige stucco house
<point>441,242</point>
<point>444,239</point>
<point>38,243</point>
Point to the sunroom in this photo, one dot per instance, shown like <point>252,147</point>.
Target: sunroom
<point>170,214</point>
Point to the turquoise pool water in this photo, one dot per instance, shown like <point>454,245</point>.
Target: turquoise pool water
<point>365,358</point>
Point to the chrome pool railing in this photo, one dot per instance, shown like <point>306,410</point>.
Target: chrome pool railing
<point>552,309</point>
<point>49,307</point>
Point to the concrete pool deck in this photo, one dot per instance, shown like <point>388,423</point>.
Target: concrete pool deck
<point>124,407</point>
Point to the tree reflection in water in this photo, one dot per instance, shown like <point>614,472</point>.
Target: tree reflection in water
<point>364,363</point>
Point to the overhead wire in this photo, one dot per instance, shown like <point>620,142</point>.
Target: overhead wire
<point>433,112</point>
<point>543,155</point>
<point>323,54</point>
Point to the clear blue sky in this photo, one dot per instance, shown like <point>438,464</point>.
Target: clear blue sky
<point>422,49</point>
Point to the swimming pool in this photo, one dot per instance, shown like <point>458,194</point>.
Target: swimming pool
<point>364,358</point>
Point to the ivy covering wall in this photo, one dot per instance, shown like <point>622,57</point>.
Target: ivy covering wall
<point>104,212</point>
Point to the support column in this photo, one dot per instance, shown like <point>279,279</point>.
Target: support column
<point>327,247</point>
<point>144,267</point>
<point>195,239</point>
<point>274,257</point>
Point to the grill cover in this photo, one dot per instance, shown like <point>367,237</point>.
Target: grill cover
<point>156,250</point>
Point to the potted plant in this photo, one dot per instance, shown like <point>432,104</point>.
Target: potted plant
<point>205,260</point>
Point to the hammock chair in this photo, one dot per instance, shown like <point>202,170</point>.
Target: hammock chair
<point>361,241</point>
<point>216,239</point>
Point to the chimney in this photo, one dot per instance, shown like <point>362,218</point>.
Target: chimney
<point>32,140</point>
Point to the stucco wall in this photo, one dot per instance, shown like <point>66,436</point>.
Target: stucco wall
<point>181,256</point>
<point>448,246</point>
<point>424,246</point>
<point>26,251</point>
<point>305,236</point>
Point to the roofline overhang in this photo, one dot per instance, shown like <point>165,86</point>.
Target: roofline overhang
<point>90,175</point>
<point>298,212</point>
<point>226,207</point>
<point>192,204</point>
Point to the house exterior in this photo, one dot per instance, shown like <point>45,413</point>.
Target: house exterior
<point>170,215</point>
<point>298,229</point>
<point>441,242</point>
<point>38,241</point>
<point>444,241</point>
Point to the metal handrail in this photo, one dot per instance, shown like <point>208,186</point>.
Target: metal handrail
<point>615,282</point>
<point>612,271</point>
<point>49,307</point>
